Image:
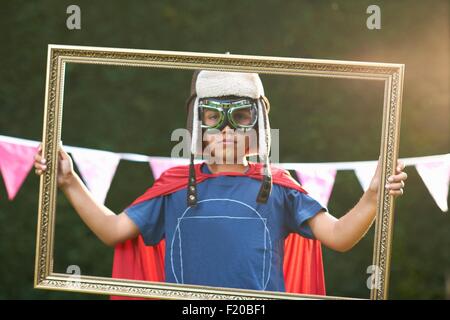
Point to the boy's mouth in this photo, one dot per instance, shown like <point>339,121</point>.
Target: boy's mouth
<point>227,141</point>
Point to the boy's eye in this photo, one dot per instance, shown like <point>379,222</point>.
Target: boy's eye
<point>211,117</point>
<point>242,116</point>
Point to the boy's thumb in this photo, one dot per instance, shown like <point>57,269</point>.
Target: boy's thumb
<point>62,153</point>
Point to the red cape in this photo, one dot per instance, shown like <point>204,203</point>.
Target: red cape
<point>303,267</point>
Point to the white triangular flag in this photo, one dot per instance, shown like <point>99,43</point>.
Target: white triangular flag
<point>436,176</point>
<point>97,169</point>
<point>365,173</point>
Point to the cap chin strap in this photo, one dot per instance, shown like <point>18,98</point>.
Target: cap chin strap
<point>195,128</point>
<point>264,149</point>
<point>192,183</point>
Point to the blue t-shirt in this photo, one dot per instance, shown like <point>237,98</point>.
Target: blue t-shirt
<point>228,239</point>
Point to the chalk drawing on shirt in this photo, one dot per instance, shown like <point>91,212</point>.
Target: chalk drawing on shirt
<point>254,216</point>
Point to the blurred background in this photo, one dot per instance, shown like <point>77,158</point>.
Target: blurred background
<point>135,110</point>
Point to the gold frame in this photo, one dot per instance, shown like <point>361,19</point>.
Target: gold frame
<point>59,55</point>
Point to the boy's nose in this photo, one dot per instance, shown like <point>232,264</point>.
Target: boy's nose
<point>227,129</point>
<point>227,133</point>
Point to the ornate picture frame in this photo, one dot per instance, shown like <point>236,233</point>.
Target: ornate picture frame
<point>60,55</point>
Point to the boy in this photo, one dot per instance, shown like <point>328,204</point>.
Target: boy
<point>224,221</point>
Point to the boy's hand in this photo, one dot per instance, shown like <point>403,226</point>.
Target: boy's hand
<point>395,183</point>
<point>65,166</point>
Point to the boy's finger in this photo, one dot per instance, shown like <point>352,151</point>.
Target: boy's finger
<point>396,192</point>
<point>400,166</point>
<point>39,158</point>
<point>401,176</point>
<point>398,177</point>
<point>395,186</point>
<point>40,166</point>
<point>63,154</point>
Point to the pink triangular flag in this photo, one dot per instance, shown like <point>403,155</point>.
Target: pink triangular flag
<point>16,161</point>
<point>365,173</point>
<point>436,176</point>
<point>161,164</point>
<point>97,169</point>
<point>318,182</point>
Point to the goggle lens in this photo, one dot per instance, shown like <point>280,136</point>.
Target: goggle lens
<point>243,116</point>
<point>211,117</point>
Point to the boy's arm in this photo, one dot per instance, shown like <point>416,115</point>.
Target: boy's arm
<point>107,226</point>
<point>342,234</point>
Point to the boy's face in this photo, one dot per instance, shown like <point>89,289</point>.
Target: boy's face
<point>229,133</point>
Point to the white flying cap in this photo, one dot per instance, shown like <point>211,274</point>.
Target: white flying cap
<point>220,83</point>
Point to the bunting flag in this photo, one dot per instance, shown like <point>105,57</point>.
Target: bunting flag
<point>16,161</point>
<point>97,168</point>
<point>436,176</point>
<point>161,164</point>
<point>365,173</point>
<point>317,181</point>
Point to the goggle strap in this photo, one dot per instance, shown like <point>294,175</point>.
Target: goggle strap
<point>262,133</point>
<point>195,127</point>
<point>264,145</point>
